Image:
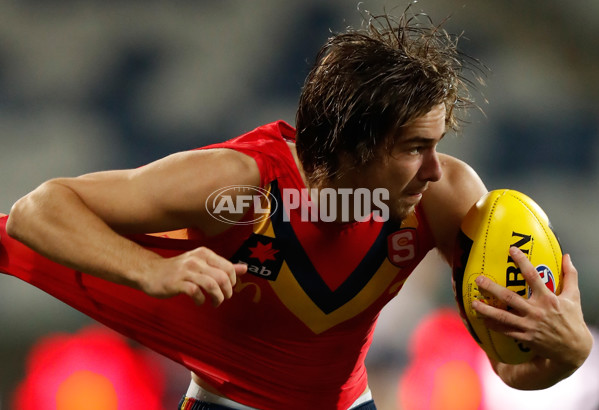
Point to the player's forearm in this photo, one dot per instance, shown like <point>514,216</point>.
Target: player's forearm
<point>55,222</point>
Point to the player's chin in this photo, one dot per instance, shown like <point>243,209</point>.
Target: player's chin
<point>402,210</point>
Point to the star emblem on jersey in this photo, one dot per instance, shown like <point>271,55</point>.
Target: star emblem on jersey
<point>263,252</point>
<point>262,255</point>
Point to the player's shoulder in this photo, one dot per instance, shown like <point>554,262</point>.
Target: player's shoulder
<point>459,181</point>
<point>447,201</point>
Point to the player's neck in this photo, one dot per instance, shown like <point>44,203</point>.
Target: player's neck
<point>298,164</point>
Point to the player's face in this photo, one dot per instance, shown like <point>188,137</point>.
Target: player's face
<point>412,163</point>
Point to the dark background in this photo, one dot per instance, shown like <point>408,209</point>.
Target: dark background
<point>92,85</point>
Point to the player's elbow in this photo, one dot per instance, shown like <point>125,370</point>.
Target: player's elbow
<point>17,218</point>
<point>26,209</point>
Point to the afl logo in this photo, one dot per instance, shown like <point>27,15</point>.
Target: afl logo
<point>547,278</point>
<point>229,204</point>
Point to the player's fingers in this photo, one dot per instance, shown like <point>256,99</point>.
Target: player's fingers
<point>240,268</point>
<point>193,291</point>
<point>215,283</point>
<point>218,262</point>
<point>489,288</point>
<point>497,319</point>
<point>528,271</point>
<point>218,277</point>
<point>211,288</point>
<point>570,277</point>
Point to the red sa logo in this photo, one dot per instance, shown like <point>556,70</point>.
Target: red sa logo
<point>401,247</point>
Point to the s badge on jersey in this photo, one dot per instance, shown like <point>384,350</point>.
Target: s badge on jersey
<point>262,255</point>
<point>401,247</point>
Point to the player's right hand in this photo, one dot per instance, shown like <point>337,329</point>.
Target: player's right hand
<point>199,273</point>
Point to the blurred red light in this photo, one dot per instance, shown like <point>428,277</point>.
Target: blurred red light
<point>94,369</point>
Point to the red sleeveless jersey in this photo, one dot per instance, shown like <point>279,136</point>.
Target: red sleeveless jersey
<point>297,329</point>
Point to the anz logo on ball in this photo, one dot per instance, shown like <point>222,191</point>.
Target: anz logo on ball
<point>547,278</point>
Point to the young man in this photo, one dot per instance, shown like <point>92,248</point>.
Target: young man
<point>285,305</point>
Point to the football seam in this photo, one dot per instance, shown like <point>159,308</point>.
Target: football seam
<point>542,225</point>
<point>487,228</point>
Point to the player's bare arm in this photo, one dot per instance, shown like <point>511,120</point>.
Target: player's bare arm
<point>447,201</point>
<point>552,325</point>
<point>78,222</point>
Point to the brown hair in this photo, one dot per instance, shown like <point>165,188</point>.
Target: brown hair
<point>367,83</point>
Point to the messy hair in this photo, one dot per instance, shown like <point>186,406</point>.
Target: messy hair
<point>367,83</point>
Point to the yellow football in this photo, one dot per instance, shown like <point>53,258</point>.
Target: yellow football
<point>499,220</point>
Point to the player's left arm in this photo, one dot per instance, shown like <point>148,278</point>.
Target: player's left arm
<point>447,201</point>
<point>552,325</point>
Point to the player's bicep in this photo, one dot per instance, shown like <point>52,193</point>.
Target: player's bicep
<point>164,195</point>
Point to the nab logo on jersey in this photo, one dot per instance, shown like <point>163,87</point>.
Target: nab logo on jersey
<point>262,256</point>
